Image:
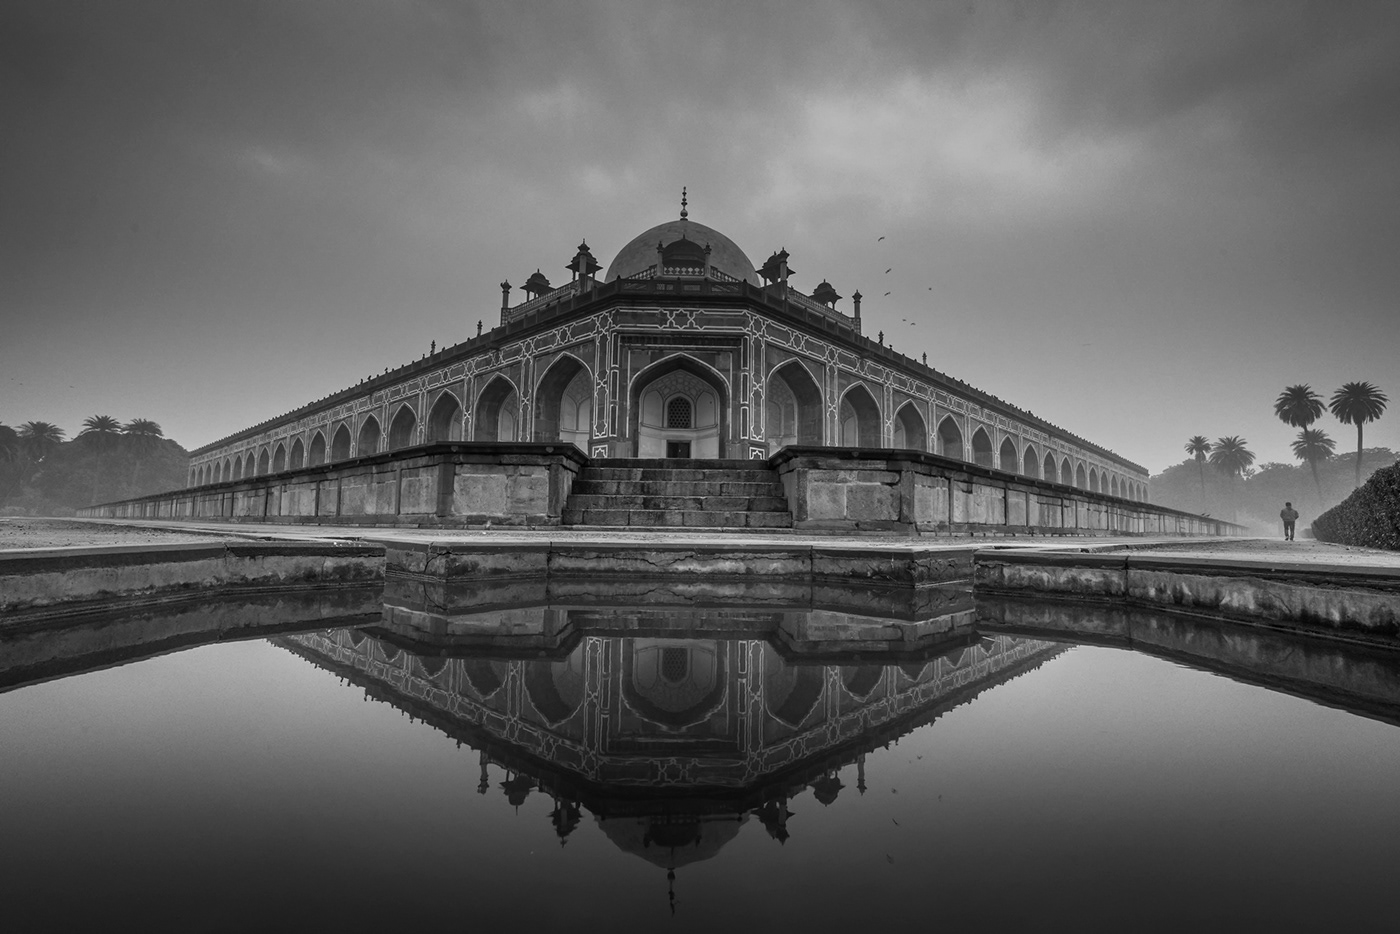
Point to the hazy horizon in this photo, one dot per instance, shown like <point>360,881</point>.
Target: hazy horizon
<point>1139,222</point>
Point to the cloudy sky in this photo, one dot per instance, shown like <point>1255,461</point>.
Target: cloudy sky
<point>1138,220</point>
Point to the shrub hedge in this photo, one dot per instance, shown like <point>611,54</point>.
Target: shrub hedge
<point>1369,517</point>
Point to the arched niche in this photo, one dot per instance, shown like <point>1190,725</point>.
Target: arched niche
<point>401,428</point>
<point>369,437</point>
<point>1030,464</point>
<point>679,408</point>
<point>1113,485</point>
<point>1066,472</point>
<point>496,408</point>
<point>264,462</point>
<point>279,458</point>
<point>1007,460</point>
<point>218,473</point>
<point>1052,469</point>
<point>909,430</point>
<point>564,403</point>
<point>982,448</point>
<point>340,443</point>
<point>950,439</point>
<point>445,419</point>
<point>238,467</point>
<point>1093,480</point>
<point>860,418</point>
<point>317,454</point>
<point>1080,480</point>
<point>297,459</point>
<point>792,407</point>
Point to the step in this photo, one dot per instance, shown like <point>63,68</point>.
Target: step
<point>673,503</point>
<point>591,487</point>
<point>692,474</point>
<point>664,518</point>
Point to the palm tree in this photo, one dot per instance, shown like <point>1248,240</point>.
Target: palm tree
<point>38,439</point>
<point>101,432</point>
<point>1231,456</point>
<point>1356,404</point>
<point>1198,446</point>
<point>1298,406</point>
<point>1312,446</point>
<point>144,435</point>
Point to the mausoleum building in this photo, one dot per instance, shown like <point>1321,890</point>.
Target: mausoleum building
<point>681,348</point>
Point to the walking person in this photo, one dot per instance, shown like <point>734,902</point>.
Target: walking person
<point>1289,515</point>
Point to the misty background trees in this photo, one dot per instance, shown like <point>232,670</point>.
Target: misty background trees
<point>42,472</point>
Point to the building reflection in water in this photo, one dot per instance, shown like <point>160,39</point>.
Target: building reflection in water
<point>672,726</point>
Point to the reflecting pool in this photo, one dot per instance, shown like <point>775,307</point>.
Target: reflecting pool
<point>647,754</point>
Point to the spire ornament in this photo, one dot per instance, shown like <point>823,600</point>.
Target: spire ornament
<point>684,212</point>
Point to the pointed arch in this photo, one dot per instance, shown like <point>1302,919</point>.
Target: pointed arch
<point>1093,480</point>
<point>297,459</point>
<point>444,419</point>
<point>1007,460</point>
<point>1066,472</point>
<point>340,443</point>
<point>495,411</point>
<point>793,406</point>
<point>1113,485</point>
<point>860,418</point>
<point>369,437</point>
<point>402,428</point>
<point>1052,469</point>
<point>950,439</point>
<point>564,402</point>
<point>264,462</point>
<point>1030,462</point>
<point>218,473</point>
<point>710,433</point>
<point>317,455</point>
<point>982,448</point>
<point>909,430</point>
<point>1080,480</point>
<point>279,458</point>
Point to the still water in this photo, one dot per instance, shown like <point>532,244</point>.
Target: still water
<point>632,758</point>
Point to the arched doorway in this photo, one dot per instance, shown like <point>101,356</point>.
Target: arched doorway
<point>679,408</point>
<point>792,407</point>
<point>1008,456</point>
<point>860,419</point>
<point>1066,473</point>
<point>564,403</point>
<point>950,440</point>
<point>340,443</point>
<point>1052,470</point>
<point>909,429</point>
<point>1080,480</point>
<point>401,429</point>
<point>1030,466</point>
<point>369,437</point>
<point>298,456</point>
<point>495,411</point>
<point>279,459</point>
<point>318,449</point>
<point>1093,480</point>
<point>445,419</point>
<point>982,449</point>
<point>264,461</point>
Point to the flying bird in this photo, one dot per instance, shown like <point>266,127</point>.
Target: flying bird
<point>878,239</point>
<point>887,270</point>
<point>886,293</point>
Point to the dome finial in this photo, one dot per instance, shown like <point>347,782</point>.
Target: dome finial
<point>684,212</point>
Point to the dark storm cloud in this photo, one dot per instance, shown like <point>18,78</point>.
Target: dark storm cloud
<point>188,175</point>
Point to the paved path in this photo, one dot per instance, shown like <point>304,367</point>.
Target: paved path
<point>23,533</point>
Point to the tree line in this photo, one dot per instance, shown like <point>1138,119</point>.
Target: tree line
<point>42,470</point>
<point>1298,406</point>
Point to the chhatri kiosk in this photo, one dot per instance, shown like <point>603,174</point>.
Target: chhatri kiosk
<point>687,355</point>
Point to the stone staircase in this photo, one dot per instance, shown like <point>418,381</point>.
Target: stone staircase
<point>675,493</point>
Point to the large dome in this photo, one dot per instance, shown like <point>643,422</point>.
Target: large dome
<point>725,254</point>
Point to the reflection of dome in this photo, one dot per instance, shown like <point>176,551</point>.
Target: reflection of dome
<point>640,253</point>
<point>672,842</point>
